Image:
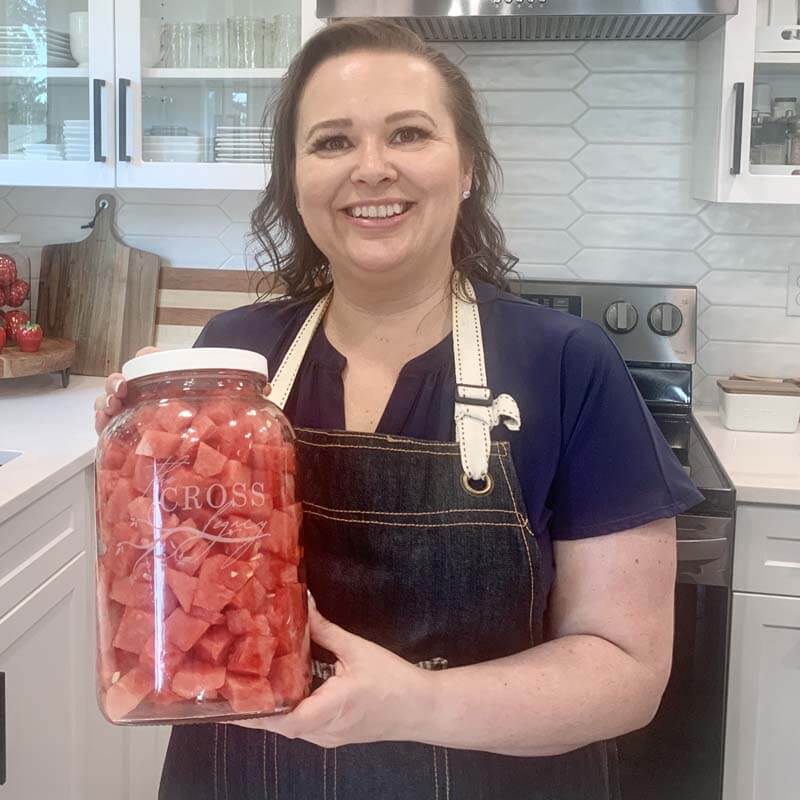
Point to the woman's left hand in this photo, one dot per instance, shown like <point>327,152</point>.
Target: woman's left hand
<point>374,695</point>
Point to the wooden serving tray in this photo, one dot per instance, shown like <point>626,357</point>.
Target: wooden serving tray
<point>54,355</point>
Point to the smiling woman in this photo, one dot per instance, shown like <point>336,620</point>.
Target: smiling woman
<point>488,506</point>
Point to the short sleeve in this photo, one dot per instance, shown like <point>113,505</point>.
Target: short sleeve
<point>615,469</point>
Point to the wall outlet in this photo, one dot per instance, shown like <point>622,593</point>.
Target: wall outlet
<point>793,291</point>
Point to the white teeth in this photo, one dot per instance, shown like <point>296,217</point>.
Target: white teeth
<point>376,211</point>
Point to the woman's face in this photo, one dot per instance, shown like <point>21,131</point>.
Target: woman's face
<point>374,136</point>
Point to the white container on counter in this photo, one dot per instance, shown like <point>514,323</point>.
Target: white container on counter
<point>759,406</point>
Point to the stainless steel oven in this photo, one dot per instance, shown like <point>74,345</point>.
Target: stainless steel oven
<point>679,755</point>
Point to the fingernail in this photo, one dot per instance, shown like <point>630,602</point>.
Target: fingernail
<point>117,384</point>
<point>108,400</point>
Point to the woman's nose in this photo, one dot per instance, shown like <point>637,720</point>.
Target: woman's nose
<point>373,164</point>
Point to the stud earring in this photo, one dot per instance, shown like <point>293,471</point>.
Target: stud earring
<point>466,194</point>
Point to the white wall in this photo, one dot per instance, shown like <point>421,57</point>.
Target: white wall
<point>595,140</point>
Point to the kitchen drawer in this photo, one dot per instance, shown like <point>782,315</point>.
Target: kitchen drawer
<point>767,550</point>
<point>38,540</point>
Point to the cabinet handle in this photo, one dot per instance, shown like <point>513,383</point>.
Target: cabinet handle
<point>738,120</point>
<point>124,83</point>
<point>2,728</point>
<point>98,85</point>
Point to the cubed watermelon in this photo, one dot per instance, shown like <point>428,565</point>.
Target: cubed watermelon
<point>211,617</point>
<point>175,416</point>
<point>214,644</point>
<point>126,694</point>
<point>120,558</point>
<point>240,622</point>
<point>133,593</point>
<point>184,586</point>
<point>287,614</point>
<point>158,444</point>
<point>252,655</point>
<point>235,473</point>
<point>144,472</point>
<point>135,628</point>
<point>209,462</point>
<point>225,571</point>
<point>213,596</point>
<point>283,539</point>
<point>113,454</point>
<point>271,572</point>
<point>116,506</point>
<point>253,594</point>
<point>289,677</point>
<point>184,630</point>
<point>248,695</point>
<point>219,411</point>
<point>170,656</point>
<point>127,469</point>
<point>197,678</point>
<point>234,440</point>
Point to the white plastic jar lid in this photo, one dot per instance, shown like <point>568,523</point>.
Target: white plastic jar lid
<point>10,238</point>
<point>190,358</point>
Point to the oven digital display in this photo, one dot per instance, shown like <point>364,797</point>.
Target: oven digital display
<point>569,303</point>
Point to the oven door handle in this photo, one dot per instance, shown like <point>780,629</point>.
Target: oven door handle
<point>701,549</point>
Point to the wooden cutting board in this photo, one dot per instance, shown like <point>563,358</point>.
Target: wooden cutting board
<point>53,355</point>
<point>100,293</point>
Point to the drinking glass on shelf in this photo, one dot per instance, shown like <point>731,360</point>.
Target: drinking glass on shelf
<point>183,44</point>
<point>286,38</point>
<point>215,51</point>
<point>245,42</point>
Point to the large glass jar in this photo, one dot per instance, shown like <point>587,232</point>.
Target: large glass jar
<point>201,596</point>
<point>15,285</point>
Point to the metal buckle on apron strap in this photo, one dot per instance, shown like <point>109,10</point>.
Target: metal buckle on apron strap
<point>324,670</point>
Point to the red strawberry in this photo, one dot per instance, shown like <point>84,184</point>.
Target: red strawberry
<point>17,293</point>
<point>14,320</point>
<point>2,339</point>
<point>8,270</point>
<point>2,296</point>
<point>29,337</point>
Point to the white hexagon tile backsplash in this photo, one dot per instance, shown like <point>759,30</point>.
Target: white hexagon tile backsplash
<point>596,143</point>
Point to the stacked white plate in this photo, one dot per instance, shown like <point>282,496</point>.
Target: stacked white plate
<point>23,46</point>
<point>242,144</point>
<point>187,148</point>
<point>76,139</point>
<point>43,152</point>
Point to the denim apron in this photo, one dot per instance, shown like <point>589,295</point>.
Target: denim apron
<point>424,548</point>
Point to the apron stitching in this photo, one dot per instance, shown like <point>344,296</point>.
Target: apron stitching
<point>446,775</point>
<point>387,449</point>
<point>435,775</point>
<point>527,549</point>
<point>381,437</point>
<point>414,513</point>
<point>324,774</point>
<point>264,764</point>
<point>335,770</point>
<point>416,524</point>
<point>216,738</point>
<point>275,751</point>
<point>225,759</point>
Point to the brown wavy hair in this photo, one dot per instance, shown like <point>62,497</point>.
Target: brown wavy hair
<point>286,253</point>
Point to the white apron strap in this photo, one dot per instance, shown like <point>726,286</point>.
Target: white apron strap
<point>476,410</point>
<point>287,372</point>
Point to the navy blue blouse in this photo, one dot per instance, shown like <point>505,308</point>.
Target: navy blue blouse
<point>589,457</point>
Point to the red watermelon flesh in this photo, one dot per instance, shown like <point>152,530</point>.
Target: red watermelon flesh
<point>248,695</point>
<point>272,573</point>
<point>252,654</point>
<point>289,677</point>
<point>120,558</point>
<point>184,630</point>
<point>214,645</point>
<point>219,411</point>
<point>126,694</point>
<point>211,617</point>
<point>253,594</point>
<point>144,471</point>
<point>209,462</point>
<point>113,455</point>
<point>286,612</point>
<point>169,658</point>
<point>175,416</point>
<point>225,571</point>
<point>135,628</point>
<point>128,468</point>
<point>240,621</point>
<point>158,444</point>
<point>184,586</point>
<point>196,678</point>
<point>116,506</point>
<point>283,539</point>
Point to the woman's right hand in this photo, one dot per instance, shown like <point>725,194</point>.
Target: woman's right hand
<point>108,405</point>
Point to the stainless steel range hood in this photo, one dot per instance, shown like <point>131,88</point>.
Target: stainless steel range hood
<point>542,20</point>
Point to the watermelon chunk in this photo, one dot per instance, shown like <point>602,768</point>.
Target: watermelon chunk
<point>119,558</point>
<point>253,655</point>
<point>284,537</point>
<point>211,617</point>
<point>196,678</point>
<point>133,593</point>
<point>287,615</point>
<point>214,645</point>
<point>184,586</point>
<point>116,506</point>
<point>135,628</point>
<point>248,695</point>
<point>209,462</point>
<point>290,678</point>
<point>126,694</point>
<point>240,622</point>
<point>158,444</point>
<point>184,630</point>
<point>253,594</point>
<point>212,596</point>
<point>219,411</point>
<point>175,416</point>
<point>235,472</point>
<point>272,573</point>
<point>144,471</point>
<point>127,469</point>
<point>113,455</point>
<point>224,571</point>
<point>169,659</point>
<point>234,440</point>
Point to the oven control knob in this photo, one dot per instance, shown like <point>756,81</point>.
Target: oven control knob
<point>621,317</point>
<point>665,319</point>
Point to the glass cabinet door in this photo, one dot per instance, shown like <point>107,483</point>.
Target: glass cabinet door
<point>195,77</point>
<point>55,80</point>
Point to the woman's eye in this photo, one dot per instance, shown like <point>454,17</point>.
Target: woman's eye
<point>411,135</point>
<point>326,142</point>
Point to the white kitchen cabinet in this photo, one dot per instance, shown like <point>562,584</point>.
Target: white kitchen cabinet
<point>763,699</point>
<point>56,114</point>
<point>727,143</point>
<point>211,114</point>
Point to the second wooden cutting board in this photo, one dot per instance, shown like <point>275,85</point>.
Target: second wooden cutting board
<point>100,293</point>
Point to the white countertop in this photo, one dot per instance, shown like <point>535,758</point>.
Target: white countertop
<point>54,429</point>
<point>764,467</point>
